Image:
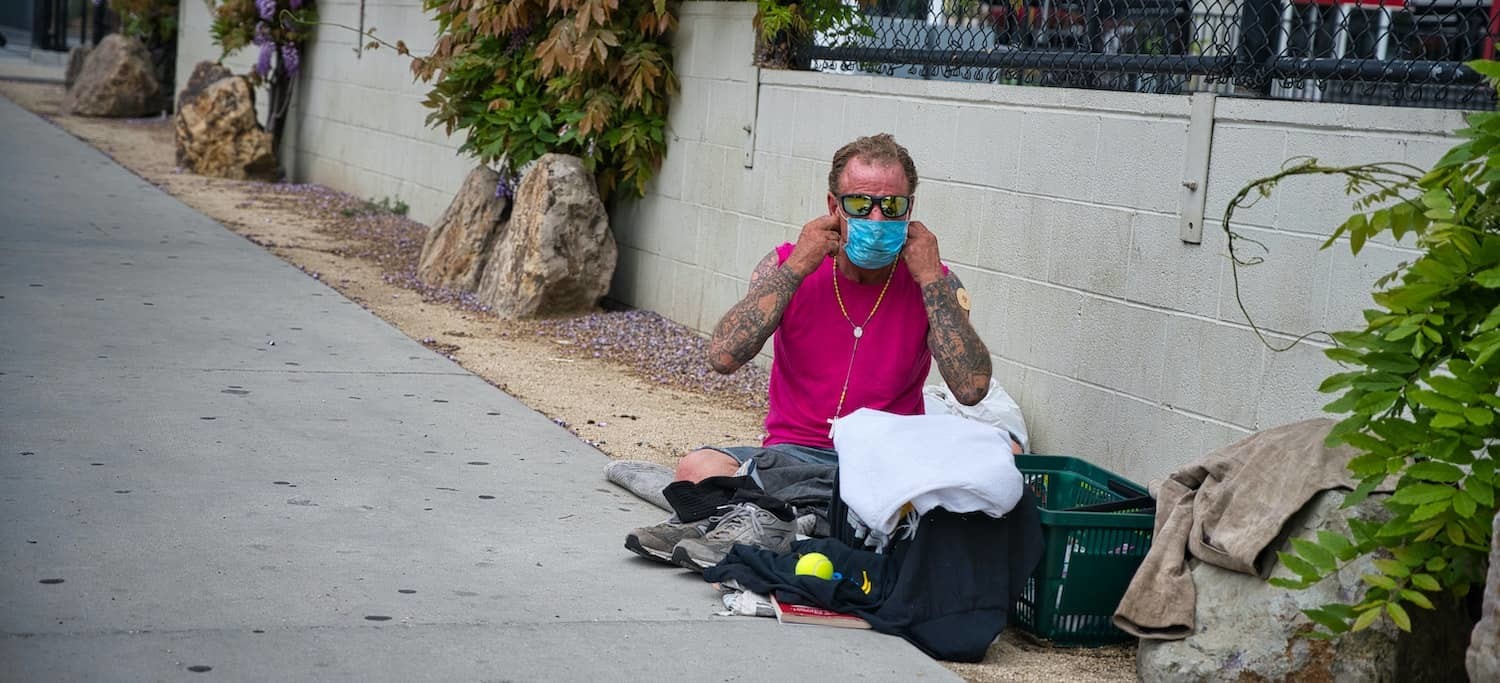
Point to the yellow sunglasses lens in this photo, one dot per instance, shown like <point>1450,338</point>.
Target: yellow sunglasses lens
<point>858,205</point>
<point>894,207</point>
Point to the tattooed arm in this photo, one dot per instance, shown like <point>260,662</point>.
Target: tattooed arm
<point>961,355</point>
<point>747,325</point>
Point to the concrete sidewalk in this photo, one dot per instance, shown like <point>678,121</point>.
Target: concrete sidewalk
<point>20,62</point>
<point>210,459</point>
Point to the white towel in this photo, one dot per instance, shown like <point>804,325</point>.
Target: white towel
<point>887,461</point>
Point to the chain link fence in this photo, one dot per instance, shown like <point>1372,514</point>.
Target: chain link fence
<point>1393,52</point>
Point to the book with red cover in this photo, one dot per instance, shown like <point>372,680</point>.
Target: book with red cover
<point>807,614</point>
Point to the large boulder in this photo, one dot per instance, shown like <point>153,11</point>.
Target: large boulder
<point>1249,630</point>
<point>117,79</point>
<point>217,134</point>
<point>1484,644</point>
<point>205,73</point>
<point>458,246</point>
<point>557,254</point>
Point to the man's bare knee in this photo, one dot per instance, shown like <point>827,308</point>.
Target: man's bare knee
<point>704,463</point>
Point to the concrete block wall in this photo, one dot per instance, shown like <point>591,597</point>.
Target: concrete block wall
<point>1058,208</point>
<point>356,122</point>
<point>1060,211</point>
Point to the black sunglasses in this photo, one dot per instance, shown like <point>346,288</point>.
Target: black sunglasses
<point>860,205</point>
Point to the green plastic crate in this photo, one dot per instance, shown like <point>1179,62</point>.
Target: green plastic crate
<point>1089,557</point>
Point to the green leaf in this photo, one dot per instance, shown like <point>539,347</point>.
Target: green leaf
<point>1464,504</point>
<point>1397,429</point>
<point>1364,530</point>
<point>1427,511</point>
<point>1452,388</point>
<point>1365,619</point>
<point>1485,67</point>
<point>1488,278</point>
<point>1376,402</point>
<point>1435,471</point>
<point>1338,381</point>
<point>1434,400</point>
<point>1417,494</point>
<point>1479,416</point>
<point>1392,568</point>
<point>1481,491</point>
<point>1447,421</point>
<point>1398,615</point>
<point>1414,554</point>
<point>1379,581</point>
<point>1491,321</point>
<point>1425,581</point>
<point>1289,584</point>
<point>1345,403</point>
<point>1352,424</point>
<point>1337,544</point>
<point>1358,227</point>
<point>1341,354</point>
<point>1327,620</point>
<point>1391,362</point>
<point>1380,381</point>
<point>1319,556</point>
<point>1361,492</point>
<point>1300,567</point>
<point>1416,598</point>
<point>1402,332</point>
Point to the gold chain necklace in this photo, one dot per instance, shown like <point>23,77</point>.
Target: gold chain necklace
<point>859,331</point>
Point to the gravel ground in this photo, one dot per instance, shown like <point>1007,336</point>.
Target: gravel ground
<point>659,350</point>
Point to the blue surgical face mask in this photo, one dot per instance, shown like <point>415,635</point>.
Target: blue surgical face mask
<point>874,244</point>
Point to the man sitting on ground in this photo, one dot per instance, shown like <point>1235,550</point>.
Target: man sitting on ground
<point>861,305</point>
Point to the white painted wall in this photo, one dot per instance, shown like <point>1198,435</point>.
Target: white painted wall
<point>357,123</point>
<point>1058,208</point>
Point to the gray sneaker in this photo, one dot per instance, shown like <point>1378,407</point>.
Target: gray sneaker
<point>656,542</point>
<point>743,523</point>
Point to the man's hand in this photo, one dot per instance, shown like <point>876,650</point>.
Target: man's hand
<point>921,254</point>
<point>820,238</point>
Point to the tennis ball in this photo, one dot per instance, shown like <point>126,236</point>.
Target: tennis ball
<point>815,564</point>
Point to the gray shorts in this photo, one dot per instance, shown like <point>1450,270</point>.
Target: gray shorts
<point>779,452</point>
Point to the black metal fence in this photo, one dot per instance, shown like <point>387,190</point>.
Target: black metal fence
<point>1397,52</point>
<point>52,21</point>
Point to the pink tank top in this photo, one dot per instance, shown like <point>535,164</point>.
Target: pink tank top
<point>813,345</point>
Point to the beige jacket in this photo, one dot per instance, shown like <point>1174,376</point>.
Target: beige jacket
<point>1226,509</point>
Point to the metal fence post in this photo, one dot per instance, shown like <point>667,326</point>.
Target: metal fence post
<point>101,20</point>
<point>41,22</point>
<point>1259,20</point>
<point>60,26</point>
